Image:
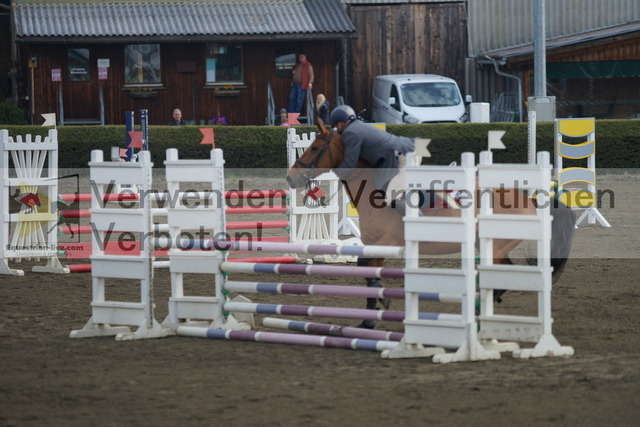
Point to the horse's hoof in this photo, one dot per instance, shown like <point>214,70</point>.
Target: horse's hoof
<point>367,324</point>
<point>497,294</point>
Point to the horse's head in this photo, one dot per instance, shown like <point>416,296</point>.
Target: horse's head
<point>324,153</point>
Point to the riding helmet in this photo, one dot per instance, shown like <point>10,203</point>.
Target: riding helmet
<point>342,113</point>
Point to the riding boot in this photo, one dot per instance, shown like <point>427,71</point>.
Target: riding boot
<point>371,305</point>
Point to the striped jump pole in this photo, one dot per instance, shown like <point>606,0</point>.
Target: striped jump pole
<point>342,313</point>
<point>232,225</point>
<point>258,209</point>
<point>286,338</point>
<point>74,213</point>
<point>109,197</point>
<point>284,259</point>
<point>314,249</point>
<point>330,330</point>
<point>256,194</point>
<point>85,213</point>
<point>243,225</point>
<point>333,290</point>
<point>121,197</point>
<point>313,270</point>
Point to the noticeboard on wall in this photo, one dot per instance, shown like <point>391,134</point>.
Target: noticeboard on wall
<point>78,65</point>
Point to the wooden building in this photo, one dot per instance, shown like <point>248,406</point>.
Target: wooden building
<point>592,57</point>
<point>404,36</point>
<point>219,57</point>
<point>91,61</point>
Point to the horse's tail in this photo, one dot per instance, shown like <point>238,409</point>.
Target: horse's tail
<point>562,229</point>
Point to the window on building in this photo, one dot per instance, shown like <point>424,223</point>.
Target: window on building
<point>600,89</point>
<point>79,65</point>
<point>142,64</point>
<point>224,63</point>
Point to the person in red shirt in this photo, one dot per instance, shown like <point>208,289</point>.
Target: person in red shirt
<point>302,81</point>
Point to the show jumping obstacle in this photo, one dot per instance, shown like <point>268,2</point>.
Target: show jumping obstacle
<point>471,337</point>
<point>578,198</point>
<point>163,228</point>
<point>34,228</point>
<point>428,334</point>
<point>31,166</point>
<point>306,223</point>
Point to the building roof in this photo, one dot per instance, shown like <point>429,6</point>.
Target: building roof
<point>508,25</point>
<point>632,28</point>
<point>86,20</point>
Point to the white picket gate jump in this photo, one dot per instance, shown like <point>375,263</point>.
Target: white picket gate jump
<point>29,165</point>
<point>319,221</point>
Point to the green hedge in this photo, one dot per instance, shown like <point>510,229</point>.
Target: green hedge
<point>618,142</point>
<point>10,114</point>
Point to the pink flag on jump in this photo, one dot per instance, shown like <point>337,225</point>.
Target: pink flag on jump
<point>136,139</point>
<point>292,118</point>
<point>123,152</point>
<point>207,136</point>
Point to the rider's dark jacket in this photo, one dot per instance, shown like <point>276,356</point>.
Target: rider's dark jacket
<point>375,146</point>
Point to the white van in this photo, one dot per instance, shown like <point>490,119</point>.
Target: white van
<point>417,98</point>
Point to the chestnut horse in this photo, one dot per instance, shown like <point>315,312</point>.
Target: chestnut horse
<point>383,225</point>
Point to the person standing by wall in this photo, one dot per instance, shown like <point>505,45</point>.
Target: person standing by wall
<point>177,118</point>
<point>302,81</point>
<point>322,108</point>
<point>284,117</point>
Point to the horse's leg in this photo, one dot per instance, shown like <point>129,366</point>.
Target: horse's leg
<point>509,202</point>
<point>372,303</point>
<point>501,249</point>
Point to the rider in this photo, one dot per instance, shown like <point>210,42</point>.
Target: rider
<point>378,148</point>
<point>363,141</point>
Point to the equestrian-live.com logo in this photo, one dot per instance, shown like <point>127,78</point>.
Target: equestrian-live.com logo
<point>38,212</point>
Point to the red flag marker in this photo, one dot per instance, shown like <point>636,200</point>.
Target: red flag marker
<point>136,139</point>
<point>29,199</point>
<point>207,136</point>
<point>292,118</point>
<point>123,152</point>
<point>315,193</point>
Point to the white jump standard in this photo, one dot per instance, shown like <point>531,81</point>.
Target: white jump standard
<point>116,317</point>
<point>29,165</point>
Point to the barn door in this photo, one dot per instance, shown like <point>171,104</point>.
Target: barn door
<point>80,97</point>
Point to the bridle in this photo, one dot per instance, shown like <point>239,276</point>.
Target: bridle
<point>310,166</point>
